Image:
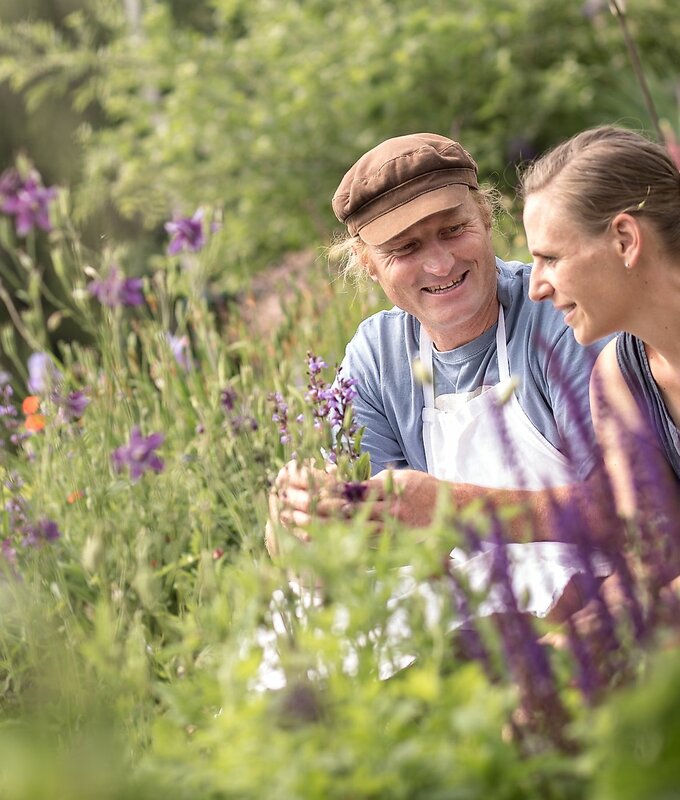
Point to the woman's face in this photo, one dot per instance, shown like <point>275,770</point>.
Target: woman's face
<point>579,272</point>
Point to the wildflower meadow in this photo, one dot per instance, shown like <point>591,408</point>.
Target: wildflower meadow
<point>159,365</point>
<point>150,647</point>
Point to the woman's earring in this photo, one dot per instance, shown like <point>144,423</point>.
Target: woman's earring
<point>626,265</point>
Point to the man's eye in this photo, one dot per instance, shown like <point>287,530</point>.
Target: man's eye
<point>454,230</point>
<point>403,249</point>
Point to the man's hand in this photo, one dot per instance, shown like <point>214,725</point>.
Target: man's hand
<point>303,492</point>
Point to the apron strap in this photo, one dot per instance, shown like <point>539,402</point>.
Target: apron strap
<point>502,347</point>
<point>425,344</point>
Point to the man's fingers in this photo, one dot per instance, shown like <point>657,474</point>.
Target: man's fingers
<point>301,476</point>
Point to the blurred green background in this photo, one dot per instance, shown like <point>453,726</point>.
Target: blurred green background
<point>148,109</point>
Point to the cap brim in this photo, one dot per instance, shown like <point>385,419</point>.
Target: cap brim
<point>391,224</point>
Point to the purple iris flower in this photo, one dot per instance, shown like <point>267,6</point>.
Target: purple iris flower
<point>73,405</point>
<point>35,533</point>
<point>186,233</point>
<point>10,184</point>
<point>27,200</point>
<point>117,290</point>
<point>139,454</point>
<point>42,374</point>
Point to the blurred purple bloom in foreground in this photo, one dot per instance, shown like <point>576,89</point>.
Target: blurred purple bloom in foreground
<point>139,454</point>
<point>42,374</point>
<point>117,290</point>
<point>27,200</point>
<point>186,233</point>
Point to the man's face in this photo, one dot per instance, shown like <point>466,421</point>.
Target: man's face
<point>443,271</point>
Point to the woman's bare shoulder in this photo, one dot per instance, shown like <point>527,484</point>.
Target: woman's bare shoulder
<point>609,392</point>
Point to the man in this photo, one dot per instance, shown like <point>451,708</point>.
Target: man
<point>502,412</point>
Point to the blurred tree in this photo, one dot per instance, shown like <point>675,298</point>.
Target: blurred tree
<point>259,106</point>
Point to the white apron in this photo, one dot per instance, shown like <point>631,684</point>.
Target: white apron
<point>497,446</point>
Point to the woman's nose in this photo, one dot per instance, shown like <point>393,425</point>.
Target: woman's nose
<point>539,287</point>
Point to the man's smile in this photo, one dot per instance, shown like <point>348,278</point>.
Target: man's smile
<point>445,287</point>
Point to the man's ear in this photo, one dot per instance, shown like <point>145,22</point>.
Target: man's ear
<point>628,236</point>
<point>361,254</point>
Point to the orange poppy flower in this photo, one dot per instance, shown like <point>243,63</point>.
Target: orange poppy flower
<point>31,404</point>
<point>35,422</point>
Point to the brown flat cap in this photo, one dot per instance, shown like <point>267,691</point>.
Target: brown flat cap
<point>400,182</point>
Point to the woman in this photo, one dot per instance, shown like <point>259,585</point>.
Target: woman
<point>602,218</point>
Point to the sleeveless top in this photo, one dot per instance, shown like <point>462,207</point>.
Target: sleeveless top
<point>634,366</point>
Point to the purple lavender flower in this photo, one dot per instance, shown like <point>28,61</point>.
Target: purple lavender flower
<point>340,400</point>
<point>139,454</point>
<point>186,233</point>
<point>280,416</point>
<point>17,510</point>
<point>27,200</point>
<point>9,552</point>
<point>117,290</point>
<point>332,405</point>
<point>73,405</point>
<point>242,422</point>
<point>42,374</point>
<point>228,398</point>
<point>181,350</point>
<point>7,407</point>
<point>315,364</point>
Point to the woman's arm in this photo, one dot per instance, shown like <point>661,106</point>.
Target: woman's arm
<point>639,474</point>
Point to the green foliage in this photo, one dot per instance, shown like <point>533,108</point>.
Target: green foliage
<point>636,742</point>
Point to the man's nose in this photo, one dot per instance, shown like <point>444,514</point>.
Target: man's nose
<point>539,287</point>
<point>438,259</point>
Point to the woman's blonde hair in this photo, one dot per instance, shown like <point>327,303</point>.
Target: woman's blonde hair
<point>604,171</point>
<point>350,254</point>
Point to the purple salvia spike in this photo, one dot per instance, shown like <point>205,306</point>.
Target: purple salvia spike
<point>589,680</point>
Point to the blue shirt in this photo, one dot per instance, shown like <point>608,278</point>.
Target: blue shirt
<point>553,371</point>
